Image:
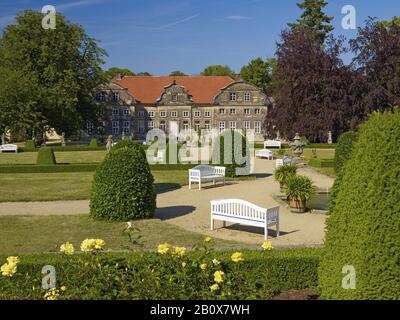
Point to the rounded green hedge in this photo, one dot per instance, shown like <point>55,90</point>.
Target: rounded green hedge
<point>46,157</point>
<point>233,169</point>
<point>123,187</point>
<point>344,148</point>
<point>30,145</point>
<point>363,229</point>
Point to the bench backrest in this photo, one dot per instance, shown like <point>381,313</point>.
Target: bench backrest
<point>271,143</point>
<point>206,170</point>
<point>243,209</point>
<point>9,147</point>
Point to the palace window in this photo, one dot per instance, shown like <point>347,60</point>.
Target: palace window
<point>232,111</point>
<point>257,126</point>
<point>151,114</point>
<point>247,111</point>
<point>163,114</point>
<point>257,111</point>
<point>115,96</point>
<point>150,124</point>
<point>232,96</point>
<point>197,114</point>
<point>247,125</point>
<point>174,98</point>
<point>115,127</point>
<point>101,97</point>
<point>186,114</point>
<point>115,111</point>
<point>185,125</point>
<point>221,126</point>
<point>197,125</point>
<point>174,114</point>
<point>141,114</point>
<point>232,125</point>
<point>207,125</point>
<point>163,125</point>
<point>126,112</point>
<point>247,96</point>
<point>221,111</point>
<point>207,114</point>
<point>127,127</point>
<point>141,126</point>
<point>89,128</point>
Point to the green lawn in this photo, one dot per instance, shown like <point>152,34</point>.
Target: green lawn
<point>307,154</point>
<point>32,234</point>
<point>61,157</point>
<point>67,186</point>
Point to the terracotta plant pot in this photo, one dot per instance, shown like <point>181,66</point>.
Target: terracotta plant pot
<point>297,206</point>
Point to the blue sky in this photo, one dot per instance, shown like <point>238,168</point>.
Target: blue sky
<point>159,36</point>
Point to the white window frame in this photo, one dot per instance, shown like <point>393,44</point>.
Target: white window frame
<point>197,114</point>
<point>207,124</point>
<point>141,114</point>
<point>247,111</point>
<point>232,96</point>
<point>221,126</point>
<point>197,125</point>
<point>151,114</point>
<point>127,127</point>
<point>221,111</point>
<point>101,96</point>
<point>163,114</point>
<point>257,126</point>
<point>163,126</point>
<point>115,127</point>
<point>247,125</point>
<point>89,128</point>
<point>247,96</point>
<point>232,125</point>
<point>115,111</point>
<point>115,96</point>
<point>174,114</point>
<point>150,124</point>
<point>207,114</point>
<point>174,97</point>
<point>232,111</point>
<point>257,111</point>
<point>185,125</point>
<point>141,127</point>
<point>186,114</point>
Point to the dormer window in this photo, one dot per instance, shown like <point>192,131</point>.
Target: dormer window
<point>232,96</point>
<point>174,98</point>
<point>101,97</point>
<point>247,96</point>
<point>115,96</point>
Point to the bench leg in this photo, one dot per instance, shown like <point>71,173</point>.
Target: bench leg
<point>266,233</point>
<point>212,224</point>
<point>277,229</point>
<point>190,184</point>
<point>200,184</point>
<point>224,224</point>
<point>214,182</point>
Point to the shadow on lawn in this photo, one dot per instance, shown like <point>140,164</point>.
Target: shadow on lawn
<point>167,187</point>
<point>173,212</point>
<point>251,229</point>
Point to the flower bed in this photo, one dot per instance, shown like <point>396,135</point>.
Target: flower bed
<point>169,273</point>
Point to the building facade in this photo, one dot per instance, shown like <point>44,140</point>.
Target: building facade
<point>135,105</point>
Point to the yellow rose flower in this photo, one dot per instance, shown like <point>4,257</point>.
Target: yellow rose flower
<point>63,288</point>
<point>179,251</point>
<point>87,245</point>
<point>216,262</point>
<point>8,269</point>
<point>203,266</point>
<point>67,248</point>
<point>184,264</point>
<point>207,239</point>
<point>99,244</point>
<point>13,259</point>
<point>267,246</point>
<point>237,257</point>
<point>214,287</point>
<point>52,294</point>
<point>163,248</point>
<point>219,276</point>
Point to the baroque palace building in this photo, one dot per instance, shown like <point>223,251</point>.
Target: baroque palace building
<point>137,104</point>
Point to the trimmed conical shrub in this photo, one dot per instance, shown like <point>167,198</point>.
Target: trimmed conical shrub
<point>93,143</point>
<point>46,157</point>
<point>123,186</point>
<point>363,230</point>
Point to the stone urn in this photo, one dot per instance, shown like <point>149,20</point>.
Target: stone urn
<point>297,148</point>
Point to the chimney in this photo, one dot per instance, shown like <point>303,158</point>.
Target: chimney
<point>118,77</point>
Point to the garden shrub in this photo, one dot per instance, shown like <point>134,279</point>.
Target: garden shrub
<point>127,144</point>
<point>152,276</point>
<point>29,145</point>
<point>123,186</point>
<point>237,151</point>
<point>363,229</point>
<point>93,143</point>
<point>45,157</point>
<point>344,149</point>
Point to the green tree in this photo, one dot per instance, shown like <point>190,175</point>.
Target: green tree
<point>57,69</point>
<point>177,73</point>
<point>219,70</point>
<point>314,17</point>
<point>144,74</point>
<point>260,73</point>
<point>114,71</point>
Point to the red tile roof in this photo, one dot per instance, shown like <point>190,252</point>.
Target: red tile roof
<point>148,89</point>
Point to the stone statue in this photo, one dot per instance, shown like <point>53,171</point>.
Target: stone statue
<point>63,139</point>
<point>3,138</point>
<point>109,143</point>
<point>330,137</point>
<point>297,148</point>
<point>123,135</point>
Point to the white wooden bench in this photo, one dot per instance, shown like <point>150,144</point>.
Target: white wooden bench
<point>265,153</point>
<point>272,144</point>
<point>243,212</point>
<point>206,173</point>
<point>8,147</point>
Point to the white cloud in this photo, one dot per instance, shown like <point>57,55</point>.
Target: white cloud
<point>237,18</point>
<point>77,4</point>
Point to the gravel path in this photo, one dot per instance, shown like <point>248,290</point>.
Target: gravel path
<point>190,209</point>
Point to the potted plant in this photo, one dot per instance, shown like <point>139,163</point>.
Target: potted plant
<point>299,189</point>
<point>283,173</point>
